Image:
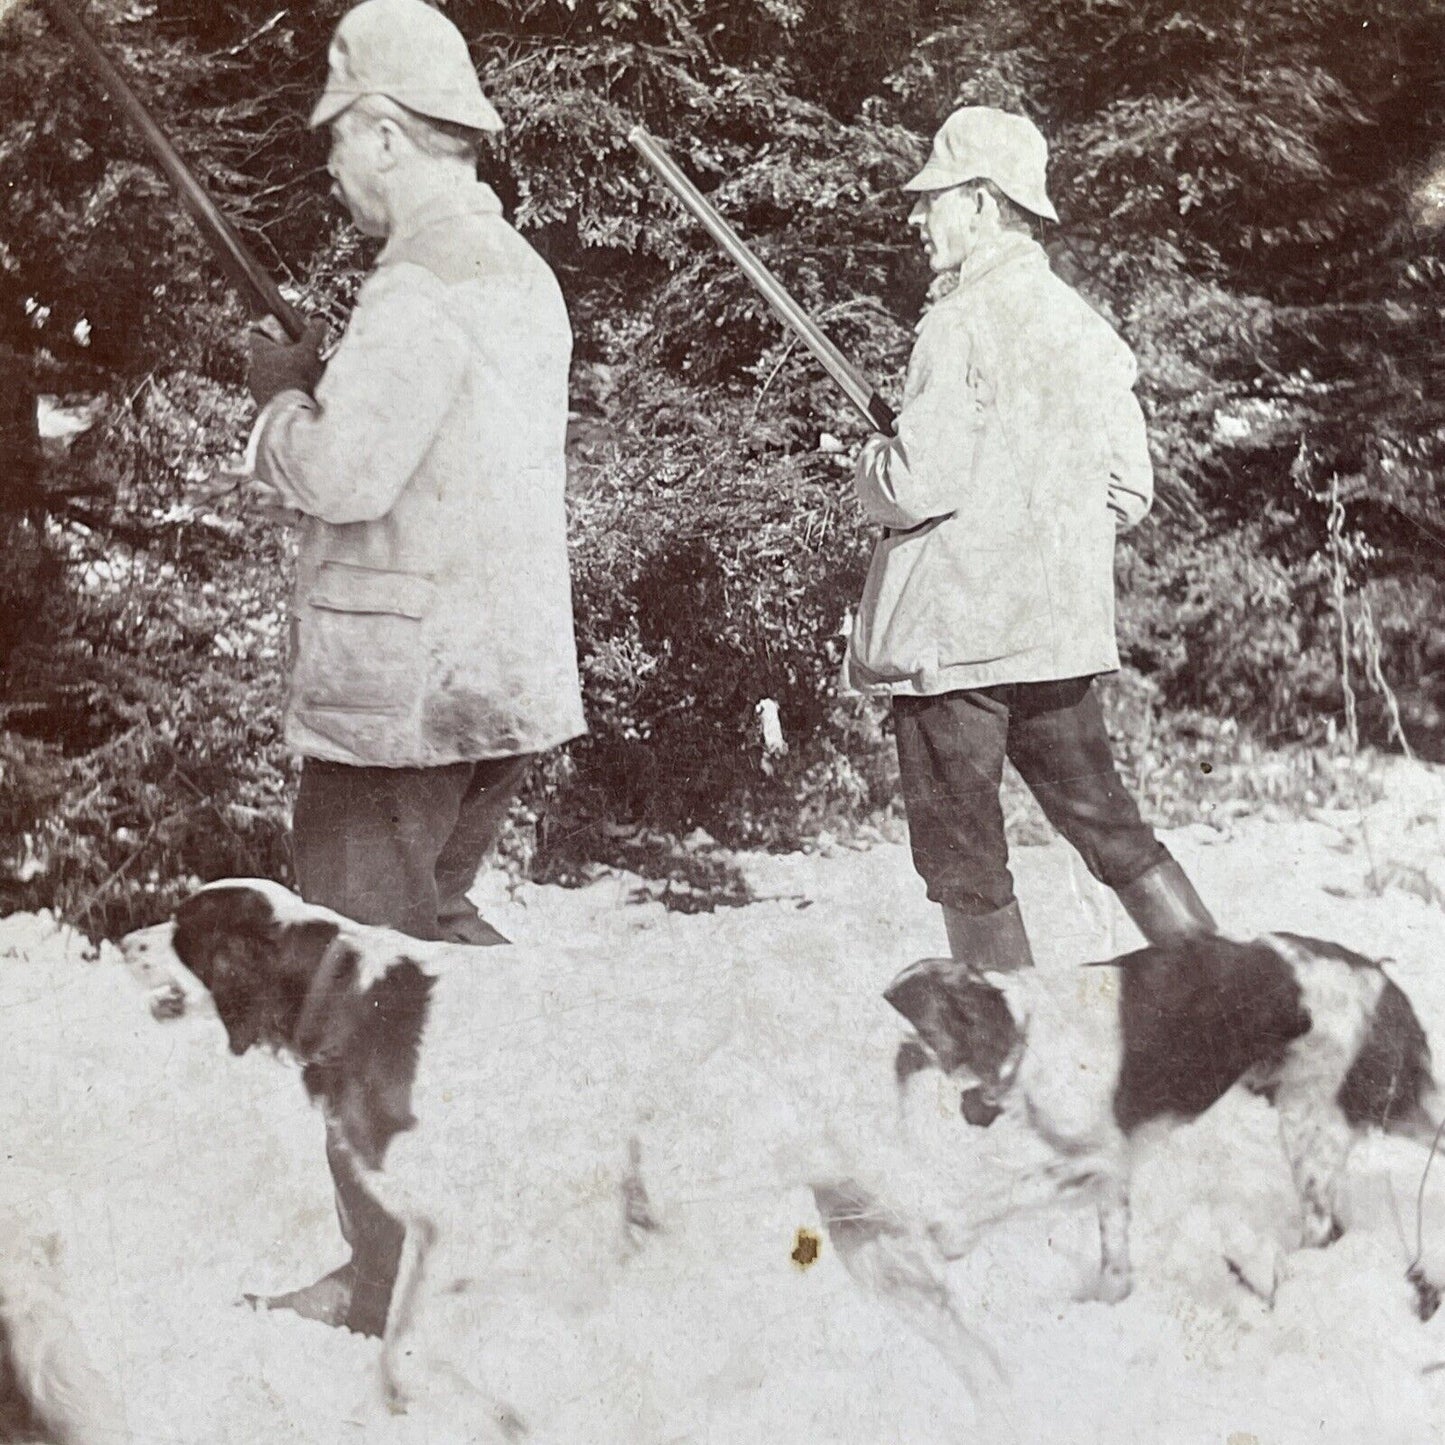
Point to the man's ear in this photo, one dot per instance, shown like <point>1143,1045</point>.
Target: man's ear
<point>390,143</point>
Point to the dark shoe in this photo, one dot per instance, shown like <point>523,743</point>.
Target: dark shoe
<point>989,942</point>
<point>1164,905</point>
<point>328,1300</point>
<point>469,927</point>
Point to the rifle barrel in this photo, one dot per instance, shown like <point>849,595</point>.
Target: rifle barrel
<point>244,271</point>
<point>859,390</point>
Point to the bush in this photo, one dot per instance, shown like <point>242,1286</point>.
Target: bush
<point>141,750</point>
<point>710,579</point>
<point>1240,193</point>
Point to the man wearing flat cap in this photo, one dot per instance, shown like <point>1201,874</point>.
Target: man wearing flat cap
<point>989,606</point>
<point>432,642</point>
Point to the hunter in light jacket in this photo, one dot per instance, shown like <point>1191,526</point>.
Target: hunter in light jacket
<point>1020,451</point>
<point>432,617</point>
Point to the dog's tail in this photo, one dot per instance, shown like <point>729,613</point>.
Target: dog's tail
<point>1392,1086</point>
<point>47,1382</point>
<point>901,1265</point>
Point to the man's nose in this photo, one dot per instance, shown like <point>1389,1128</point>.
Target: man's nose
<point>918,216</point>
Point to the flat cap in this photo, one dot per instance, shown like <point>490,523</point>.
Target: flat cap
<point>979,143</point>
<point>410,52</point>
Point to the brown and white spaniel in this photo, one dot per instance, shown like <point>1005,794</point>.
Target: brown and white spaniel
<point>1320,1031</point>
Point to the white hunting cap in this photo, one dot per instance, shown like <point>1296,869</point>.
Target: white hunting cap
<point>978,143</point>
<point>410,52</point>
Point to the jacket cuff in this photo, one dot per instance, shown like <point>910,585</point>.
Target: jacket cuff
<point>283,402</point>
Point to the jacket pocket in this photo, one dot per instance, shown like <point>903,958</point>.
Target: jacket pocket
<point>990,603</point>
<point>893,638</point>
<point>360,647</point>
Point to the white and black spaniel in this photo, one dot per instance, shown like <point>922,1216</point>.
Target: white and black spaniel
<point>1320,1031</point>
<point>425,1058</point>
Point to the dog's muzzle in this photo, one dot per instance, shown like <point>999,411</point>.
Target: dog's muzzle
<point>981,1102</point>
<point>978,1106</point>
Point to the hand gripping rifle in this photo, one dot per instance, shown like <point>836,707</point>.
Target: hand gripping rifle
<point>859,390</point>
<point>242,269</point>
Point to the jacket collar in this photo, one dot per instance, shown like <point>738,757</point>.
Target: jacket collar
<point>477,199</point>
<point>1009,248</point>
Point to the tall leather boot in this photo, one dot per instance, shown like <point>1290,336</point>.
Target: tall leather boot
<point>989,942</point>
<point>1164,905</point>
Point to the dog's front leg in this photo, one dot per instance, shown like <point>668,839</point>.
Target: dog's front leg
<point>1317,1138</point>
<point>1115,1275</point>
<point>430,1336</point>
<point>400,1364</point>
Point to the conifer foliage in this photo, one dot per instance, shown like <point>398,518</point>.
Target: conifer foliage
<point>1252,192</point>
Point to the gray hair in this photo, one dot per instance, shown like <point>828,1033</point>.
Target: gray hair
<point>1011,215</point>
<point>440,139</point>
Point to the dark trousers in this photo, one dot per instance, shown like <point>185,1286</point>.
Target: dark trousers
<point>397,848</point>
<point>951,751</point>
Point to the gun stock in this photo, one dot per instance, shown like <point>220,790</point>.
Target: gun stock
<point>858,389</point>
<point>243,270</point>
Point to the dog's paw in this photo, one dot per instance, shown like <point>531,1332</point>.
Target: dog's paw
<point>393,1392</point>
<point>328,1301</point>
<point>1261,1286</point>
<point>511,1424</point>
<point>1109,1287</point>
<point>953,1238</point>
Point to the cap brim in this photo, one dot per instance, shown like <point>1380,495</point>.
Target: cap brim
<point>942,178</point>
<point>1036,205</point>
<point>331,104</point>
<point>935,178</point>
<point>474,111</point>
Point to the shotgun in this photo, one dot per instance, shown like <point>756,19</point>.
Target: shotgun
<point>242,269</point>
<point>858,389</point>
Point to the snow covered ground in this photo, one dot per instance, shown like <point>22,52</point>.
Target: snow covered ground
<point>174,1177</point>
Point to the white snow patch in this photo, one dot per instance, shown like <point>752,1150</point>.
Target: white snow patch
<point>178,1177</point>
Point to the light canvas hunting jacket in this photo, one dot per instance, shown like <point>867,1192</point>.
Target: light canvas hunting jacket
<point>1020,450</point>
<point>432,619</point>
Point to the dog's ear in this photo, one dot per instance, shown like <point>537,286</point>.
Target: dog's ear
<point>1016,988</point>
<point>924,993</point>
<point>226,937</point>
<point>320,953</point>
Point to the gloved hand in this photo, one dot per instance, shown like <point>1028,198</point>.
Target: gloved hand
<point>280,364</point>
